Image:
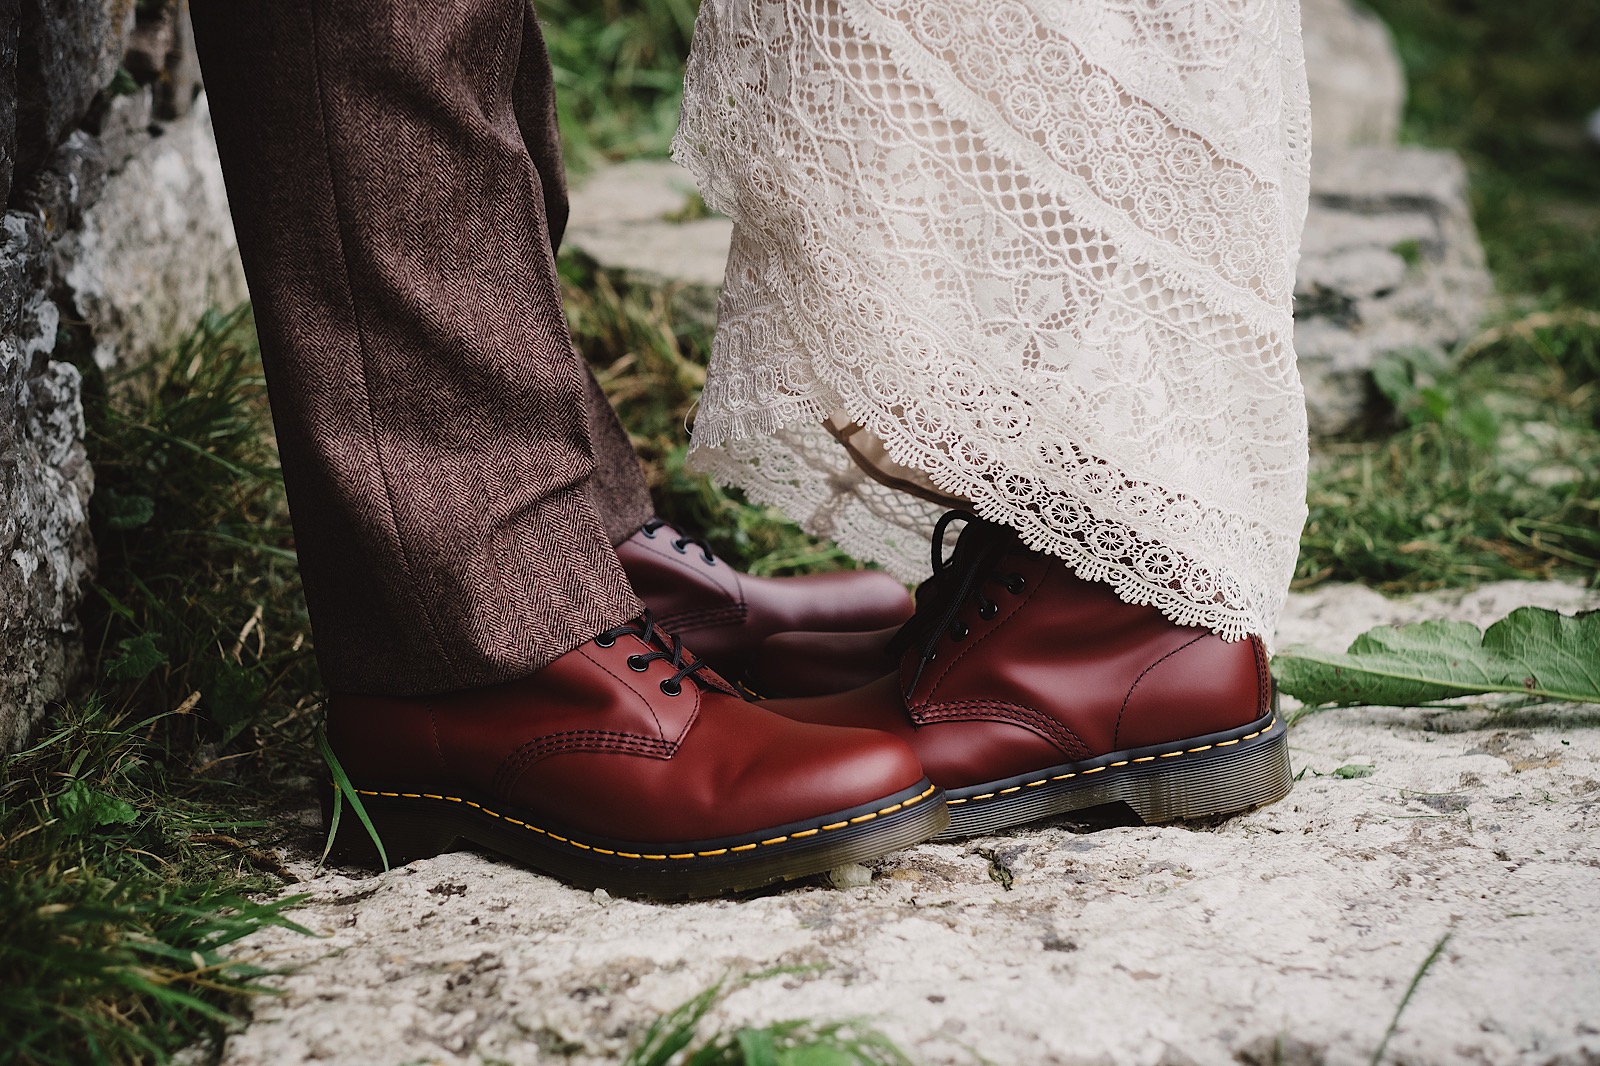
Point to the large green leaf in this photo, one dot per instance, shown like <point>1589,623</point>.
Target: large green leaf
<point>1532,652</point>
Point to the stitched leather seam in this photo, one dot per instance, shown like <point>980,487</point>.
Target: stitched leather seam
<point>1176,753</point>
<point>1116,733</point>
<point>1263,675</point>
<point>706,616</point>
<point>798,835</point>
<point>578,740</point>
<point>1009,713</point>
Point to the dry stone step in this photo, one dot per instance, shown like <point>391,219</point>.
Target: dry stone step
<point>1297,926</point>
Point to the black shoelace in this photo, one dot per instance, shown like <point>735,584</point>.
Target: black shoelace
<point>956,579</point>
<point>681,543</point>
<point>665,646</point>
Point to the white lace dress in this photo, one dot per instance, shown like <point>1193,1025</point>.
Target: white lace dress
<point>1035,255</point>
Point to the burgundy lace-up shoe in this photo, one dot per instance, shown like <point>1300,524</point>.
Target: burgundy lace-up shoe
<point>820,664</point>
<point>1027,693</point>
<point>725,615</point>
<point>627,765</point>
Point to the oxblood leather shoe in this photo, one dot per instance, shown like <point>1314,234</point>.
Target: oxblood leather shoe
<point>627,765</point>
<point>1027,693</point>
<point>725,615</point>
<point>820,664</point>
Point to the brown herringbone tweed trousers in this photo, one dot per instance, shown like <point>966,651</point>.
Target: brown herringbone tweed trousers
<point>456,478</point>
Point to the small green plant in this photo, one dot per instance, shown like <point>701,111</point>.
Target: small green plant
<point>1531,654</point>
<point>675,1039</point>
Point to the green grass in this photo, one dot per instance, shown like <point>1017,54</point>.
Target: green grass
<point>619,73</point>
<point>1496,472</point>
<point>675,1039</point>
<point>136,837</point>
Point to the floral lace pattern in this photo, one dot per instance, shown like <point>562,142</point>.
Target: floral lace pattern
<point>1043,250</point>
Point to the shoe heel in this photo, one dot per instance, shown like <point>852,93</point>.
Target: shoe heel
<point>409,829</point>
<point>1212,782</point>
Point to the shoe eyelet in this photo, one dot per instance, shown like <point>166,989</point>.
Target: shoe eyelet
<point>1015,583</point>
<point>603,642</point>
<point>650,534</point>
<point>637,664</point>
<point>678,547</point>
<point>671,687</point>
<point>988,611</point>
<point>711,560</point>
<point>960,630</point>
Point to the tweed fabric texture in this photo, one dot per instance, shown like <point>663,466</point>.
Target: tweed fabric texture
<point>395,180</point>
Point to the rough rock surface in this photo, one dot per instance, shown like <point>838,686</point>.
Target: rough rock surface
<point>45,481</point>
<point>118,240</point>
<point>1358,87</point>
<point>157,246</point>
<point>1286,935</point>
<point>1390,261</point>
<point>69,51</point>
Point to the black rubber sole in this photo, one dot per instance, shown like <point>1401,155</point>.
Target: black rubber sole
<point>418,825</point>
<point>1218,774</point>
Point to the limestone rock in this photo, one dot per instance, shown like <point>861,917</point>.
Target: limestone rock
<point>1358,87</point>
<point>70,50</point>
<point>9,17</point>
<point>627,219</point>
<point>1285,935</point>
<point>45,481</point>
<point>126,235</point>
<point>1390,260</point>
<point>157,246</point>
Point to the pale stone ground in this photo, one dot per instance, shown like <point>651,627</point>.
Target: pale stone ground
<point>1298,926</point>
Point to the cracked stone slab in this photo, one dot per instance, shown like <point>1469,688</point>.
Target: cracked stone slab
<point>1288,934</point>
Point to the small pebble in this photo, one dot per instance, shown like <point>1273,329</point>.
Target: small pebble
<point>850,875</point>
<point>602,897</point>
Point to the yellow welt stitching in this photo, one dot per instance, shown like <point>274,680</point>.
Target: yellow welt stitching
<point>1124,762</point>
<point>1036,784</point>
<point>930,790</point>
